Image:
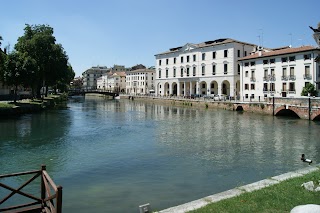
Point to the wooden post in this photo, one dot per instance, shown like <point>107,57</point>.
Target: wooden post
<point>43,187</point>
<point>273,106</point>
<point>309,109</point>
<point>59,199</point>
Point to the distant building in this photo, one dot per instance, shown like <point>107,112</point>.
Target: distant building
<point>140,81</point>
<point>91,75</point>
<point>206,68</point>
<point>113,82</point>
<point>281,72</point>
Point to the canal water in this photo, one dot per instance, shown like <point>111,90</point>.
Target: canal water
<point>114,155</point>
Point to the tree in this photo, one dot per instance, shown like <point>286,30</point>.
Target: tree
<point>39,43</point>
<point>309,89</point>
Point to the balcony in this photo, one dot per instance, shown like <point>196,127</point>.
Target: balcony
<point>266,78</point>
<point>292,91</point>
<point>307,77</point>
<point>272,78</point>
<point>265,90</point>
<point>292,77</point>
<point>253,79</point>
<point>284,78</point>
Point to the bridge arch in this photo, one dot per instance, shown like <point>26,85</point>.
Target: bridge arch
<point>287,111</point>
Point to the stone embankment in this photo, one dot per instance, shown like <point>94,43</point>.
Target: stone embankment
<point>304,108</point>
<point>239,190</point>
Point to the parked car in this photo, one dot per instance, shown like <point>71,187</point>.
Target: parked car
<point>221,97</point>
<point>193,96</point>
<point>210,96</point>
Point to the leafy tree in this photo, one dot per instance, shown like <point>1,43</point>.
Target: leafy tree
<point>309,89</point>
<point>39,43</point>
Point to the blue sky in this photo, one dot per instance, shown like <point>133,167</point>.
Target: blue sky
<point>130,32</point>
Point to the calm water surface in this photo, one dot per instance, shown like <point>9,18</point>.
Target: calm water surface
<point>112,156</point>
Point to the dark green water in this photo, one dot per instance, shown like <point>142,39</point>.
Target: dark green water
<point>112,156</point>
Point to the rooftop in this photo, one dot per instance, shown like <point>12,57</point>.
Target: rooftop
<point>278,51</point>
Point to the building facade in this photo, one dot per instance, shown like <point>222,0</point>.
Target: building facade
<point>113,82</point>
<point>91,75</point>
<point>140,81</point>
<point>281,72</point>
<point>206,68</point>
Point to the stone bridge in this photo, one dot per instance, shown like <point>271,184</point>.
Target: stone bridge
<point>304,108</point>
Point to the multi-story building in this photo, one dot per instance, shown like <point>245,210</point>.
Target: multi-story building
<point>114,82</point>
<point>281,72</point>
<point>206,68</point>
<point>91,75</point>
<point>140,81</point>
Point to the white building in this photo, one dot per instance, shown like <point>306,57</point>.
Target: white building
<point>140,81</point>
<point>207,68</point>
<point>281,72</point>
<point>113,82</point>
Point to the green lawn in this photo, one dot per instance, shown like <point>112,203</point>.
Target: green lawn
<point>5,105</point>
<point>281,197</point>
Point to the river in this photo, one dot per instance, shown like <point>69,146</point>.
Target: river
<point>114,155</point>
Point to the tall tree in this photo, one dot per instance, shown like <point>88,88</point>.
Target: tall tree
<point>39,43</point>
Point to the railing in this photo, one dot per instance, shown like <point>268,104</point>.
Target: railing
<point>253,79</point>
<point>307,76</point>
<point>43,203</point>
<point>292,77</point>
<point>272,77</point>
<point>284,78</point>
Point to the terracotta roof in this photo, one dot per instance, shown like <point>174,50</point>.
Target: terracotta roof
<point>141,70</point>
<point>279,52</point>
<point>121,74</point>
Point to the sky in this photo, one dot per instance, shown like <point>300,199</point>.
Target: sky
<point>130,32</point>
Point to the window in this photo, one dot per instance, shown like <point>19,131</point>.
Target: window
<point>291,86</point>
<point>203,86</point>
<point>246,86</point>
<point>292,58</point>
<point>252,86</point>
<point>174,72</point>
<point>238,69</point>
<point>194,57</point>
<point>203,56</point>
<point>265,61</point>
<point>265,87</point>
<point>252,74</point>
<point>245,53</point>
<point>213,69</point>
<point>272,61</point>
<point>188,71</point>
<point>265,73</point>
<point>307,70</point>
<point>225,69</point>
<point>174,60</point>
<point>167,61</point>
<point>284,59</point>
<point>181,59</point>
<point>307,56</point>
<point>238,53</point>
<point>159,73</point>
<point>252,96</point>
<point>194,71</point>
<point>203,70</point>
<point>181,72</point>
<point>167,73</point>
<point>247,74</point>
<point>213,55</point>
<point>284,86</point>
<point>247,96</point>
<point>272,87</point>
<point>291,71</point>
<point>272,71</point>
<point>225,53</point>
<point>284,72</point>
<point>246,64</point>
<point>188,58</point>
<point>252,63</point>
<point>159,62</point>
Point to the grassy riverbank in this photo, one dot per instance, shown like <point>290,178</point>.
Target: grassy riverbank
<point>281,197</point>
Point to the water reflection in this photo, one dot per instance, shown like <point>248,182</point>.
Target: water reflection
<point>120,154</point>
